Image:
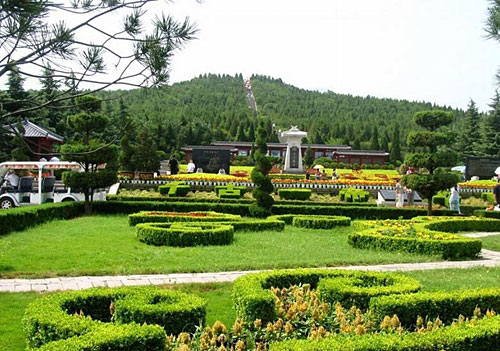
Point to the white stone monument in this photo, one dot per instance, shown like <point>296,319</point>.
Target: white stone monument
<point>293,158</point>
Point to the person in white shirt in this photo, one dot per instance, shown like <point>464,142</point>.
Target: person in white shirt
<point>12,178</point>
<point>455,200</point>
<point>191,167</point>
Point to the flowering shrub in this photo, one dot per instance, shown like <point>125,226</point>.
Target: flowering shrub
<point>302,315</point>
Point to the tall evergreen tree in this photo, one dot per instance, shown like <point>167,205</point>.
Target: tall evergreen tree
<point>396,144</point>
<point>384,144</point>
<point>53,115</point>
<point>470,133</point>
<point>374,144</point>
<point>260,175</point>
<point>145,157</point>
<point>17,98</point>
<point>491,129</point>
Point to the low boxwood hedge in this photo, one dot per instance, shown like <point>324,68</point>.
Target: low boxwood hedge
<point>314,222</point>
<point>320,222</point>
<point>119,319</point>
<point>165,216</point>
<point>174,189</point>
<point>483,335</point>
<point>253,299</point>
<point>487,214</point>
<point>354,195</point>
<point>184,234</point>
<point>21,218</point>
<point>429,305</point>
<point>230,191</point>
<point>358,290</point>
<point>428,237</point>
<point>295,194</point>
<point>488,197</point>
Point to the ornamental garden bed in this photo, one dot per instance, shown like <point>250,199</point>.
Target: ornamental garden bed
<point>305,309</point>
<point>431,235</point>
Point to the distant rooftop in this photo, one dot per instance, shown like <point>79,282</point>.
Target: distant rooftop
<point>32,130</point>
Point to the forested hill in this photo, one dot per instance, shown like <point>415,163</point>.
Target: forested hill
<point>215,107</point>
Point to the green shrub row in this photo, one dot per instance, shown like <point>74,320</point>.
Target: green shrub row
<point>314,222</point>
<point>184,234</point>
<point>358,212</point>
<point>320,222</point>
<point>487,214</point>
<point>483,335</point>
<point>295,194</point>
<point>253,299</point>
<point>83,320</point>
<point>429,305</point>
<point>354,195</point>
<point>174,189</point>
<point>20,218</point>
<point>357,291</point>
<point>165,216</point>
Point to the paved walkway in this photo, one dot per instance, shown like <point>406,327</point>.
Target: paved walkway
<point>488,259</point>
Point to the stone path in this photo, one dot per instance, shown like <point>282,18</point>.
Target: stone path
<point>488,259</point>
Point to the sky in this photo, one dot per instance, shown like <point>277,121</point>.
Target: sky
<point>423,50</point>
<point>419,50</point>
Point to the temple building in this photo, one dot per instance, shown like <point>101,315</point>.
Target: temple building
<point>39,140</point>
<point>339,153</point>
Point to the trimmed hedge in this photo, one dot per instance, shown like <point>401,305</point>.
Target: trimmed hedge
<point>314,222</point>
<point>21,218</point>
<point>488,214</point>
<point>174,189</point>
<point>184,234</point>
<point>484,335</point>
<point>164,216</point>
<point>80,320</point>
<point>230,191</point>
<point>295,194</point>
<point>321,222</point>
<point>429,305</point>
<point>253,299</point>
<point>358,291</point>
<point>354,195</point>
<point>431,240</point>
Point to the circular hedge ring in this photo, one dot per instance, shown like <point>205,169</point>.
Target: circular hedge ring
<point>118,319</point>
<point>320,222</point>
<point>185,234</point>
<point>165,216</point>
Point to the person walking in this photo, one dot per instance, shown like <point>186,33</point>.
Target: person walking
<point>400,195</point>
<point>410,194</point>
<point>455,200</point>
<point>174,166</point>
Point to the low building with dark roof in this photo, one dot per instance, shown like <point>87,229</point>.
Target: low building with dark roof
<point>39,140</point>
<point>340,153</point>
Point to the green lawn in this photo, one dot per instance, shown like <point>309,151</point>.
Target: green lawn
<point>101,245</point>
<point>492,242</point>
<point>219,302</point>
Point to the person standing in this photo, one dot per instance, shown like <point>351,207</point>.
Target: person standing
<point>174,166</point>
<point>191,167</point>
<point>410,193</point>
<point>496,194</point>
<point>400,195</point>
<point>455,200</point>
